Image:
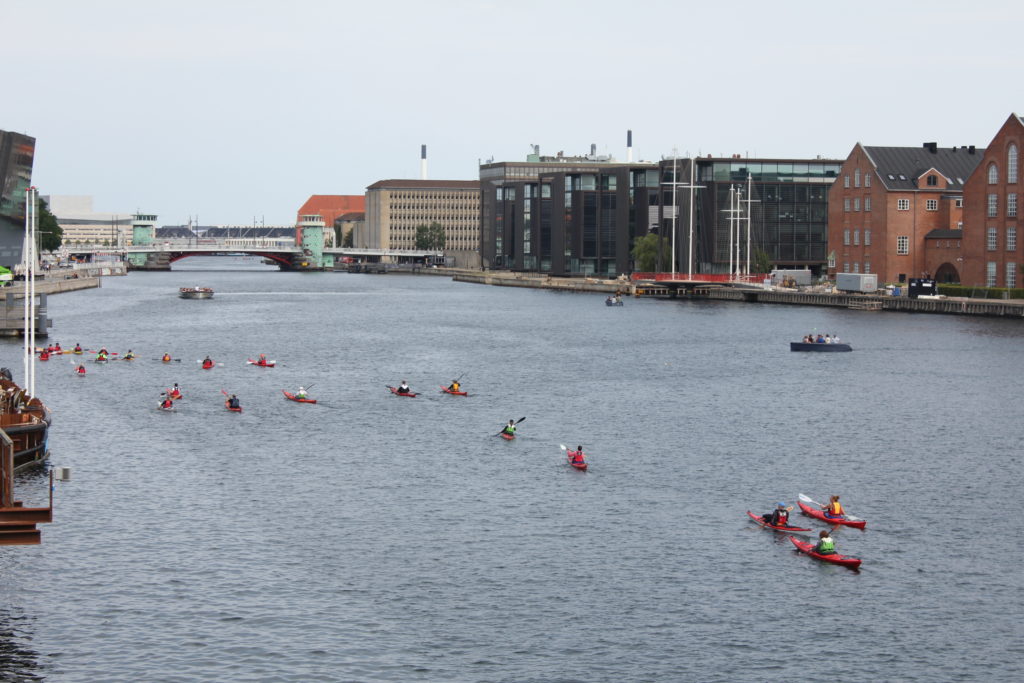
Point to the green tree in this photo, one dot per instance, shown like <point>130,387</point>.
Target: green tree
<point>346,241</point>
<point>50,233</point>
<point>645,252</point>
<point>430,237</point>
<point>762,262</point>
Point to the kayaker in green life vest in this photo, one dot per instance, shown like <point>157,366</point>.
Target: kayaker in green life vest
<point>510,428</point>
<point>825,545</point>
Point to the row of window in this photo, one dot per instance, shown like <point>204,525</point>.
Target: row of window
<point>992,241</point>
<point>993,268</point>
<point>856,267</point>
<point>856,237</point>
<point>856,204</point>
<point>1011,167</point>
<point>993,205</point>
<point>856,178</point>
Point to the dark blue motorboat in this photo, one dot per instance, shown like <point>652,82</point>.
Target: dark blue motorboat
<point>815,346</point>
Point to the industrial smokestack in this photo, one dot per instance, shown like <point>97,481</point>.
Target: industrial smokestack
<point>593,149</point>
<point>629,146</point>
<point>423,162</point>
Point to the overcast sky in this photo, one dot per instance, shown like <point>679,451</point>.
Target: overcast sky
<point>236,110</point>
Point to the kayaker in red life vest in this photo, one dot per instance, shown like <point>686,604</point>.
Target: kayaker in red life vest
<point>403,388</point>
<point>262,360</point>
<point>779,516</point>
<point>77,349</point>
<point>80,370</point>
<point>825,544</point>
<point>167,402</point>
<point>207,362</point>
<point>834,510</point>
<point>44,355</point>
<point>577,455</point>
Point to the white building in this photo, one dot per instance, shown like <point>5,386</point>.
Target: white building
<point>81,224</point>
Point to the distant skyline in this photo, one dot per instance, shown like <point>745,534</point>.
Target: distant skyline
<point>239,111</point>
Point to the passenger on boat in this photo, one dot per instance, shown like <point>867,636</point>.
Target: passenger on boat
<point>454,386</point>
<point>828,339</point>
<point>233,402</point>
<point>779,516</point>
<point>80,370</point>
<point>820,339</point>
<point>403,388</point>
<point>835,338</point>
<point>301,393</point>
<point>825,544</point>
<point>510,428</point>
<point>577,455</point>
<point>834,510</point>
<point>167,358</point>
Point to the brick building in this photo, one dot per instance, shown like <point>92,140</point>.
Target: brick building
<point>991,253</point>
<point>329,207</point>
<point>886,203</point>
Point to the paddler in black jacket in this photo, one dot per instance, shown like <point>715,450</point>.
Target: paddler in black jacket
<point>779,516</point>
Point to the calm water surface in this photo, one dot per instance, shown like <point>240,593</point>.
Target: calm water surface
<point>371,538</point>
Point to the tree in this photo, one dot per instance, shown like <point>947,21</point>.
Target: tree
<point>49,231</point>
<point>430,237</point>
<point>645,252</point>
<point>762,262</point>
<point>346,241</point>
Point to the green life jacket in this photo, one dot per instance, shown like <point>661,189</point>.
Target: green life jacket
<point>826,546</point>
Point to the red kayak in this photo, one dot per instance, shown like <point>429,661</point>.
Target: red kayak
<point>227,404</point>
<point>843,560</point>
<point>263,363</point>
<point>292,397</point>
<point>175,396</point>
<point>820,514</point>
<point>207,366</point>
<point>580,464</point>
<point>396,392</point>
<point>760,520</point>
<point>453,393</point>
<point>507,436</point>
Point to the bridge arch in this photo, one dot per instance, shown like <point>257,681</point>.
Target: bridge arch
<point>281,259</point>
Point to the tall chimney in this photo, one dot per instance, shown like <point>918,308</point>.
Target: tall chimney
<point>423,162</point>
<point>629,146</point>
<point>593,148</point>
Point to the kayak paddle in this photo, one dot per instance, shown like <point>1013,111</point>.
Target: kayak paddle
<point>515,423</point>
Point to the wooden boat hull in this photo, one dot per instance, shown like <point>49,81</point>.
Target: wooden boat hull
<point>28,429</point>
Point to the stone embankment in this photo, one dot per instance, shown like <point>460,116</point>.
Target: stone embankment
<point>568,284</point>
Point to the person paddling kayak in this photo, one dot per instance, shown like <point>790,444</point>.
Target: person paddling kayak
<point>510,428</point>
<point>825,544</point>
<point>77,349</point>
<point>233,402</point>
<point>207,363</point>
<point>129,355</point>
<point>454,386</point>
<point>577,456</point>
<point>167,402</point>
<point>403,388</point>
<point>834,510</point>
<point>779,516</point>
<point>80,370</point>
<point>301,393</point>
<point>175,392</point>
<point>166,358</point>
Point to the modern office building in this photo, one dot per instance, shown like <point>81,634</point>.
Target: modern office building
<point>566,215</point>
<point>890,204</point>
<point>396,208</point>
<point>16,155</point>
<point>992,255</point>
<point>744,206</point>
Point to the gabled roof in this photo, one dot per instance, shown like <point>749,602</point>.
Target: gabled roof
<point>900,167</point>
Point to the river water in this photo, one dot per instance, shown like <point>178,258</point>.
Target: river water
<point>376,538</point>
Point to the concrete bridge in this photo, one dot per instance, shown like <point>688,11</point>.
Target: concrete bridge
<point>307,253</point>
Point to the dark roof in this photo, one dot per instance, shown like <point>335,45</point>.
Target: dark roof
<point>425,185</point>
<point>351,216</point>
<point>941,234</point>
<point>900,167</point>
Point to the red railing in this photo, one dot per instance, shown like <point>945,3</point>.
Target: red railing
<point>699,277</point>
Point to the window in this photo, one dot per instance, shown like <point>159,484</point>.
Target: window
<point>867,180</point>
<point>959,203</point>
<point>1011,205</point>
<point>867,203</point>
<point>846,267</point>
<point>856,267</point>
<point>846,181</point>
<point>993,239</point>
<point>903,204</point>
<point>832,260</point>
<point>856,237</point>
<point>856,178</point>
<point>1011,274</point>
<point>1011,164</point>
<point>846,237</point>
<point>846,204</point>
<point>993,205</point>
<point>867,266</point>
<point>867,238</point>
<point>932,180</point>
<point>1011,238</point>
<point>903,245</point>
<point>990,275</point>
<point>993,174</point>
<point>856,203</point>
<point>931,204</point>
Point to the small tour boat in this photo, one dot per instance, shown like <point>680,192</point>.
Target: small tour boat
<point>195,293</point>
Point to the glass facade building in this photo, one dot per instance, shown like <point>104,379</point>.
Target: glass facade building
<point>16,156</point>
